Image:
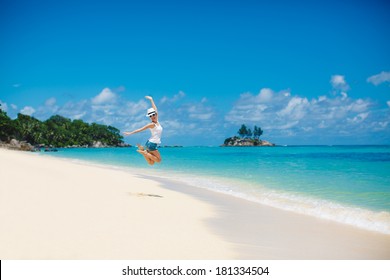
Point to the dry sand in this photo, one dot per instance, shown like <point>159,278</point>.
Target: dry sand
<point>56,209</point>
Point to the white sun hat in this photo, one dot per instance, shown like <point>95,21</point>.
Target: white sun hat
<point>150,112</point>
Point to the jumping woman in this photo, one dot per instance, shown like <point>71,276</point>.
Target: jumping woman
<point>151,154</point>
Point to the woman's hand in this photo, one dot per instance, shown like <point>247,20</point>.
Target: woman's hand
<point>149,97</point>
<point>127,133</point>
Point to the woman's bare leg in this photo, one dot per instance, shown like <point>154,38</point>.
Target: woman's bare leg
<point>153,156</point>
<point>156,154</point>
<point>140,147</point>
<point>146,156</point>
<point>142,151</point>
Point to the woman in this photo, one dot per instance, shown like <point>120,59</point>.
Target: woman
<point>151,154</point>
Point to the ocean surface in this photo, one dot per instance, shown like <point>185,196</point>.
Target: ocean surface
<point>347,184</point>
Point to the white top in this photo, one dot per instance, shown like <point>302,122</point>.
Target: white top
<point>156,133</point>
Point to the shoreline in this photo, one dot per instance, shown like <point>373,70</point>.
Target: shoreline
<point>317,208</point>
<point>233,227</point>
<point>264,232</point>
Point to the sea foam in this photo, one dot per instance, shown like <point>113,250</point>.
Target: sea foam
<point>298,203</point>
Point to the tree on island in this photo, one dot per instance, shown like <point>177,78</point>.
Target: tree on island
<point>57,131</point>
<point>257,132</point>
<point>247,137</point>
<point>243,131</point>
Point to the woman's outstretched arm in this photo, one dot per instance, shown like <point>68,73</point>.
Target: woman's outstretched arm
<point>127,133</point>
<point>152,102</point>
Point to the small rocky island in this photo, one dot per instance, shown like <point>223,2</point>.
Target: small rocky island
<point>247,138</point>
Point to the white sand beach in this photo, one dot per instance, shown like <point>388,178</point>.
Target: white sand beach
<point>57,209</point>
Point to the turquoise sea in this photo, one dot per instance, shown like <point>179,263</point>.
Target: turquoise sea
<point>347,184</point>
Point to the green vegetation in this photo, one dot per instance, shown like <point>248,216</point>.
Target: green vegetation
<point>247,138</point>
<point>245,132</point>
<point>57,131</point>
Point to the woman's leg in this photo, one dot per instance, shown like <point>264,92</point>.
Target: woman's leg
<point>142,151</point>
<point>153,156</point>
<point>156,154</point>
<point>148,159</point>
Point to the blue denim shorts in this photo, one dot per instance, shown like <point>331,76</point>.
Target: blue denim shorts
<point>151,146</point>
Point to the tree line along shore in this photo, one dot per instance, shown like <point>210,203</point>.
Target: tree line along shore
<point>28,133</point>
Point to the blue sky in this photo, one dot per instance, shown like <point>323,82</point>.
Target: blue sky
<point>306,72</point>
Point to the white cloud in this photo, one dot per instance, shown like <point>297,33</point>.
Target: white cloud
<point>380,78</point>
<point>381,126</point>
<point>265,95</point>
<point>359,118</point>
<point>180,95</point>
<point>196,118</point>
<point>11,109</point>
<point>104,107</point>
<point>201,116</point>
<point>286,116</point>
<point>296,108</point>
<point>183,119</point>
<point>258,108</point>
<point>344,95</point>
<point>281,115</point>
<point>322,98</point>
<point>360,105</point>
<point>199,111</point>
<point>338,82</point>
<point>27,110</point>
<point>50,102</point>
<point>75,110</point>
<point>106,96</point>
<point>3,106</point>
<point>131,108</point>
<point>185,110</point>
